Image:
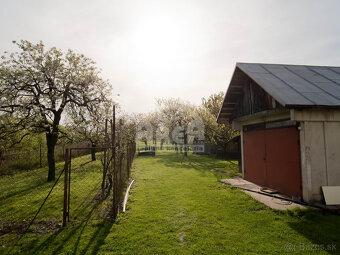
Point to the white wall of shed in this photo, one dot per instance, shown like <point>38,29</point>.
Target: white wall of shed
<point>320,151</point>
<point>332,139</point>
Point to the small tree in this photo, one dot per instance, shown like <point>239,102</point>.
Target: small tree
<point>177,115</point>
<point>154,121</point>
<point>214,132</point>
<point>40,86</point>
<point>90,126</point>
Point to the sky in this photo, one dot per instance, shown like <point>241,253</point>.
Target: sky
<point>177,48</point>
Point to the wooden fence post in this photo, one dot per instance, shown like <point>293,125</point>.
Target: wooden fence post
<point>65,187</point>
<point>69,184</point>
<point>128,161</point>
<point>105,167</point>
<point>114,170</point>
<point>121,155</point>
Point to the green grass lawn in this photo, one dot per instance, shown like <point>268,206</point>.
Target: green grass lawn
<point>179,206</point>
<point>22,194</point>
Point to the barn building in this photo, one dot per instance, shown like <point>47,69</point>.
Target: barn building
<point>289,119</point>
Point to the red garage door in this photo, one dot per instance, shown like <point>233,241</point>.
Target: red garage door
<point>272,159</point>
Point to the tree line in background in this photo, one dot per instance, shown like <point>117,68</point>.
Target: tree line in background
<point>51,97</point>
<point>174,113</point>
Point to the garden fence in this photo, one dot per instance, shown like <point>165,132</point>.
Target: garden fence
<point>15,160</point>
<point>96,193</point>
<point>83,189</point>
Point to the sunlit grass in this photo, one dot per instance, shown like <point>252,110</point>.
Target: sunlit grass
<point>178,206</point>
<point>22,194</point>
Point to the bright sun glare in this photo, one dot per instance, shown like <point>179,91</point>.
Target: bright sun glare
<point>157,44</point>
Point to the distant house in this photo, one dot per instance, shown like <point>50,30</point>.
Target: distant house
<point>289,118</point>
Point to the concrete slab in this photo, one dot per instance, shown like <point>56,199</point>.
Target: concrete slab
<point>267,199</point>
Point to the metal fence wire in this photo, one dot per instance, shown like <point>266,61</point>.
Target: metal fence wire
<point>25,194</point>
<point>84,189</point>
<point>15,160</point>
<point>93,192</point>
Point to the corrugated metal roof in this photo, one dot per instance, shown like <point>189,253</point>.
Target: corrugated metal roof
<point>290,85</point>
<point>297,85</point>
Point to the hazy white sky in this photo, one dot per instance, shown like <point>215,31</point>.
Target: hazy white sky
<point>184,48</point>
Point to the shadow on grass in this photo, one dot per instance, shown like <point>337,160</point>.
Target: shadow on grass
<point>202,163</point>
<point>83,204</point>
<point>38,181</point>
<point>88,162</point>
<point>321,228</point>
<point>77,238</point>
<point>97,238</point>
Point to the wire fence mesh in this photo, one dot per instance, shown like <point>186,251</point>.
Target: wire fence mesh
<point>22,195</point>
<point>124,160</point>
<point>16,160</point>
<point>92,190</point>
<point>84,190</point>
<point>30,204</point>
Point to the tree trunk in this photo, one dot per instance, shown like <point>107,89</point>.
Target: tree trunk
<point>51,142</point>
<point>93,152</point>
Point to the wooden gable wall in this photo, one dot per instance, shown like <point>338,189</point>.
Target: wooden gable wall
<point>253,99</point>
